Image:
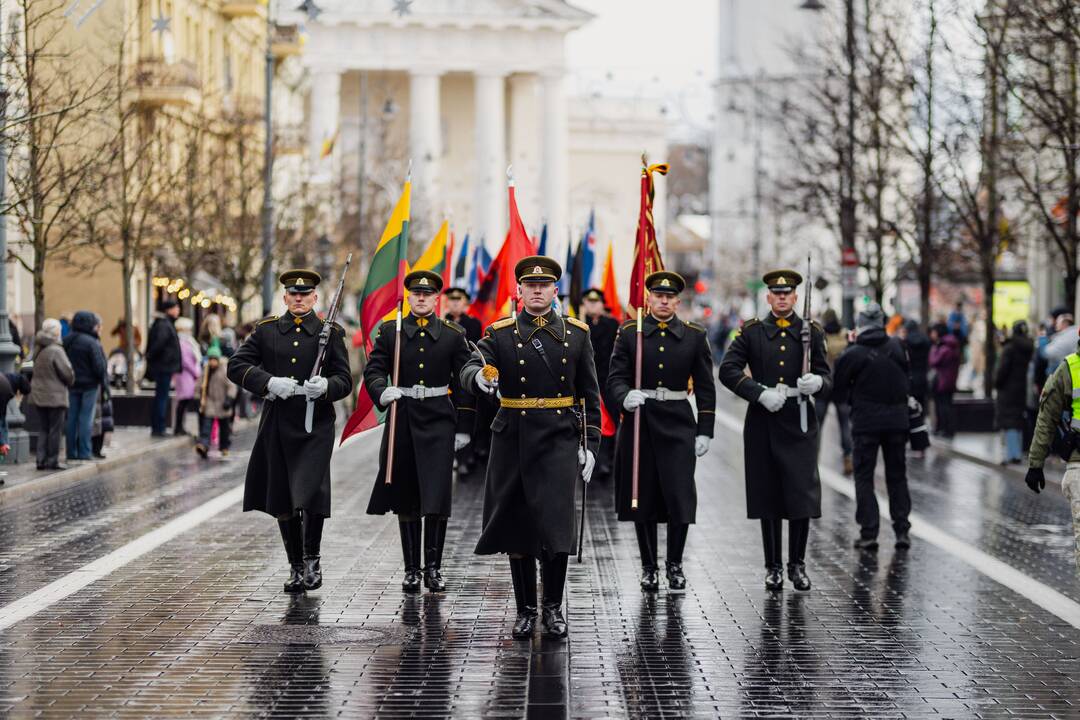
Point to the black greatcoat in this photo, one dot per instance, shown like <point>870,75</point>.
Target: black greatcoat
<point>781,461</point>
<point>431,356</point>
<point>533,467</point>
<point>672,357</point>
<point>289,469</point>
<point>602,332</point>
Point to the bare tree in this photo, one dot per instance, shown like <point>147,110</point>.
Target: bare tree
<point>55,96</point>
<point>1043,49</point>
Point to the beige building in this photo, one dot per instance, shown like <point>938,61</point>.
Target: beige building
<point>191,62</point>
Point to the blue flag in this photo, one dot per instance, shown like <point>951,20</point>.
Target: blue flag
<point>588,254</point>
<point>542,249</point>
<point>462,264</point>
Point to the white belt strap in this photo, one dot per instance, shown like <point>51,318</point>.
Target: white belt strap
<point>665,395</point>
<point>419,392</point>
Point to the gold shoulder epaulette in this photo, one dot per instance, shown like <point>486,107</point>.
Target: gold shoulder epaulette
<point>751,321</point>
<point>817,326</point>
<point>272,318</point>
<point>695,326</point>
<point>500,324</point>
<point>628,324</point>
<point>454,326</point>
<point>576,323</point>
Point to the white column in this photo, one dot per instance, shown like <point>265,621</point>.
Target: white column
<point>425,147</point>
<point>324,121</point>
<point>554,163</point>
<point>489,215</point>
<point>522,131</point>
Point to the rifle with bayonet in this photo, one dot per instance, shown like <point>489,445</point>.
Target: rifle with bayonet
<point>324,341</point>
<point>805,336</point>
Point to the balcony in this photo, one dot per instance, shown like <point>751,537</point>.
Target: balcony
<point>290,140</point>
<point>236,9</point>
<point>244,108</point>
<point>286,42</point>
<point>160,84</point>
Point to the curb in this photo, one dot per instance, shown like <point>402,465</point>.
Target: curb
<point>66,478</point>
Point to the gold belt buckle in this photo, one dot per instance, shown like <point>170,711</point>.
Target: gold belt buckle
<point>541,402</point>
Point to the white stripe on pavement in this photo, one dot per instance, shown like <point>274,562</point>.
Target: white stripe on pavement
<point>75,581</point>
<point>1039,593</point>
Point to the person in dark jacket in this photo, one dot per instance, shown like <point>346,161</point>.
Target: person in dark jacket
<point>87,358</point>
<point>163,360</point>
<point>945,361</point>
<point>457,305</point>
<point>603,329</point>
<point>873,375</point>
<point>1011,384</point>
<point>917,345</point>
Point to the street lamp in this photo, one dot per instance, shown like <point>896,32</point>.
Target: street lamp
<point>312,11</point>
<point>847,171</point>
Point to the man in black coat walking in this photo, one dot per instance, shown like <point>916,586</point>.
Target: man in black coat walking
<point>872,375</point>
<point>780,458</point>
<point>434,418</point>
<point>540,366</point>
<point>602,331</point>
<point>288,475</point>
<point>163,360</point>
<point>676,358</point>
<point>457,305</point>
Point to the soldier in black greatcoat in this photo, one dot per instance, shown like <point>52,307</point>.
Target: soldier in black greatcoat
<point>602,331</point>
<point>676,360</point>
<point>434,416</point>
<point>457,303</point>
<point>288,475</point>
<point>781,460</point>
<point>540,366</point>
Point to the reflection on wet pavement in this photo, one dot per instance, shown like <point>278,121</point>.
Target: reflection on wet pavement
<point>199,625</point>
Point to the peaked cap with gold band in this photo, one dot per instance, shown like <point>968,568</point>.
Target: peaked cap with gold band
<point>537,268</point>
<point>457,293</point>
<point>423,281</point>
<point>300,279</point>
<point>665,281</point>
<point>782,281</point>
<point>593,294</point>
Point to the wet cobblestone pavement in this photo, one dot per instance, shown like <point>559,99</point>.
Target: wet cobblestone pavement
<point>197,625</point>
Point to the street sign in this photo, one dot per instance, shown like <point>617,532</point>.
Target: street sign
<point>849,258</point>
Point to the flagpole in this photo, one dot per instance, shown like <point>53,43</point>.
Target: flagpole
<point>639,341</point>
<point>392,434</point>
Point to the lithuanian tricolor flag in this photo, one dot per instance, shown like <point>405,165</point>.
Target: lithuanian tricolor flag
<point>383,290</point>
<point>436,258</point>
<point>384,286</point>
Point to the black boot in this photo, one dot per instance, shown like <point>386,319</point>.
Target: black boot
<point>798,534</point>
<point>293,538</point>
<point>434,536</point>
<point>771,531</point>
<point>410,550</point>
<point>646,540</point>
<point>554,624</point>
<point>313,525</point>
<point>676,541</point>
<point>523,573</point>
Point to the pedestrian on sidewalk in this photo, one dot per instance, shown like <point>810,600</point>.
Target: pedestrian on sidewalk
<point>873,374</point>
<point>836,339</point>
<point>780,459</point>
<point>917,345</point>
<point>1057,400</point>
<point>163,360</point>
<point>540,366</point>
<point>53,375</point>
<point>217,401</point>
<point>434,419</point>
<point>185,381</point>
<point>676,357</point>
<point>288,475</point>
<point>1011,383</point>
<point>945,368</point>
<point>83,348</point>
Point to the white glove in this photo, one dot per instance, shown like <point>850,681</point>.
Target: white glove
<point>701,444</point>
<point>315,387</point>
<point>633,400</point>
<point>587,461</point>
<point>461,440</point>
<point>913,404</point>
<point>809,383</point>
<point>280,388</point>
<point>486,386</point>
<point>772,399</point>
<point>389,395</point>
